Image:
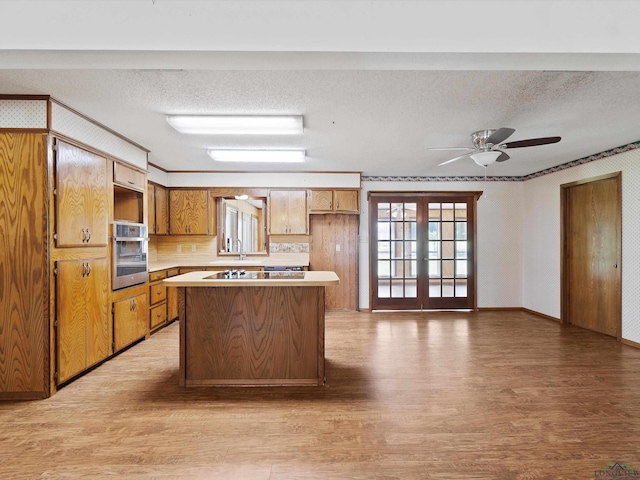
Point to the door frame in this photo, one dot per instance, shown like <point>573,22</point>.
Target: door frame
<point>472,234</point>
<point>564,250</point>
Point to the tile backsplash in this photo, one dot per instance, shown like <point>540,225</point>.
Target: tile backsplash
<point>289,247</point>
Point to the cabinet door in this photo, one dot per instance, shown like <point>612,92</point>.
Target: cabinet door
<point>128,177</point>
<point>71,318</point>
<point>189,212</point>
<point>288,212</point>
<point>151,209</point>
<point>321,201</point>
<point>161,206</point>
<point>298,215</point>
<point>99,326</point>
<point>83,322</point>
<point>346,200</point>
<point>81,197</point>
<point>129,320</point>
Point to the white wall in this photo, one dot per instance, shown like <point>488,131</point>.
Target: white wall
<point>499,248</point>
<point>541,259</point>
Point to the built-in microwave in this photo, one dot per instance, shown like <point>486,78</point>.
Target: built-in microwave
<point>129,255</point>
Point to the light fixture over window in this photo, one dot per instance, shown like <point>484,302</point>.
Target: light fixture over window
<point>237,124</point>
<point>258,156</point>
<point>485,158</point>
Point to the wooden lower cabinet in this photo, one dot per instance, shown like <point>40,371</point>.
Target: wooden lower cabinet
<point>83,322</point>
<point>172,297</point>
<point>157,300</point>
<point>129,320</point>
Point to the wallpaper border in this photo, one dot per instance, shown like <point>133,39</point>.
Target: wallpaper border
<point>478,178</point>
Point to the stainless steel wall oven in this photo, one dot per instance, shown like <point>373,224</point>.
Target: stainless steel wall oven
<point>129,256</point>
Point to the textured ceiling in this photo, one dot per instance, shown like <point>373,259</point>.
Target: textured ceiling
<point>371,113</point>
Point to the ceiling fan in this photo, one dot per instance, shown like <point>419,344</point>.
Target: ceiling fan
<point>488,146</point>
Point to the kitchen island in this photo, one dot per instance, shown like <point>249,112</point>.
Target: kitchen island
<point>261,328</point>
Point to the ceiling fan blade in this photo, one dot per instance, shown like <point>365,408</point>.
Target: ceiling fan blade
<point>451,148</point>
<point>503,157</point>
<point>454,159</point>
<point>499,135</point>
<point>531,142</point>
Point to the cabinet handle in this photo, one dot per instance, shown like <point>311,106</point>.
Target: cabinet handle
<point>88,235</point>
<point>84,235</point>
<point>130,182</point>
<point>158,315</point>
<point>337,205</point>
<point>84,269</point>
<point>88,269</point>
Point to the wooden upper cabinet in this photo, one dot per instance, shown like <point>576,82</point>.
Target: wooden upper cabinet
<point>128,177</point>
<point>162,210</point>
<point>83,322</point>
<point>151,208</point>
<point>288,214</point>
<point>335,201</point>
<point>191,213</point>
<point>346,201</point>
<point>321,201</point>
<point>81,197</point>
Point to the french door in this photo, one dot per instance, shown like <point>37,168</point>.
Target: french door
<point>422,250</point>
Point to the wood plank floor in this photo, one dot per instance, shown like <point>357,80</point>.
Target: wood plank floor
<point>490,395</point>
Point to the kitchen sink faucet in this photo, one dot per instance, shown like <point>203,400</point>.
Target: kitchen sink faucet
<point>242,254</point>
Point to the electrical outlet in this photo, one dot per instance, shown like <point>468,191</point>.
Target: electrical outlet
<point>179,248</point>
<point>193,248</point>
<point>337,247</point>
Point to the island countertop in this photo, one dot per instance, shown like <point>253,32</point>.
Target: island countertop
<point>198,279</point>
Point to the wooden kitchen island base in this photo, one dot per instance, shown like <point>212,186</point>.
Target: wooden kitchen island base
<point>246,333</point>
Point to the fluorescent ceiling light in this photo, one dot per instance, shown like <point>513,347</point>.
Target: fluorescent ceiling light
<point>485,158</point>
<point>258,156</point>
<point>237,124</point>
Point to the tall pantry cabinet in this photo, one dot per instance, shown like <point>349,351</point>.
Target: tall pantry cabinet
<point>56,202</point>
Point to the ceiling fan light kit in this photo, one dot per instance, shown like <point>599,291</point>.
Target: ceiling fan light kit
<point>488,145</point>
<point>485,158</point>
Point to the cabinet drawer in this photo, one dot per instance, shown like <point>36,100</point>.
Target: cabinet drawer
<point>157,293</point>
<point>159,275</point>
<point>128,177</point>
<point>158,315</point>
<point>172,272</point>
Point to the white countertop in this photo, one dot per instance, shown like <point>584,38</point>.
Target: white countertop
<point>279,259</point>
<point>197,279</point>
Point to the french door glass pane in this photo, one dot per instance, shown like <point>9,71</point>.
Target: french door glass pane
<point>447,231</point>
<point>384,231</point>
<point>447,212</point>
<point>461,288</point>
<point>397,250</point>
<point>384,250</point>
<point>434,268</point>
<point>461,250</point>
<point>384,288</point>
<point>434,211</point>
<point>447,269</point>
<point>384,212</point>
<point>461,230</point>
<point>397,288</point>
<point>447,250</point>
<point>435,287</point>
<point>461,211</point>
<point>447,288</point>
<point>461,269</point>
<point>411,288</point>
<point>434,249</point>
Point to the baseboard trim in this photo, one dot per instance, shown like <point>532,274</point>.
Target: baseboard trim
<point>630,343</point>
<point>533,312</point>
